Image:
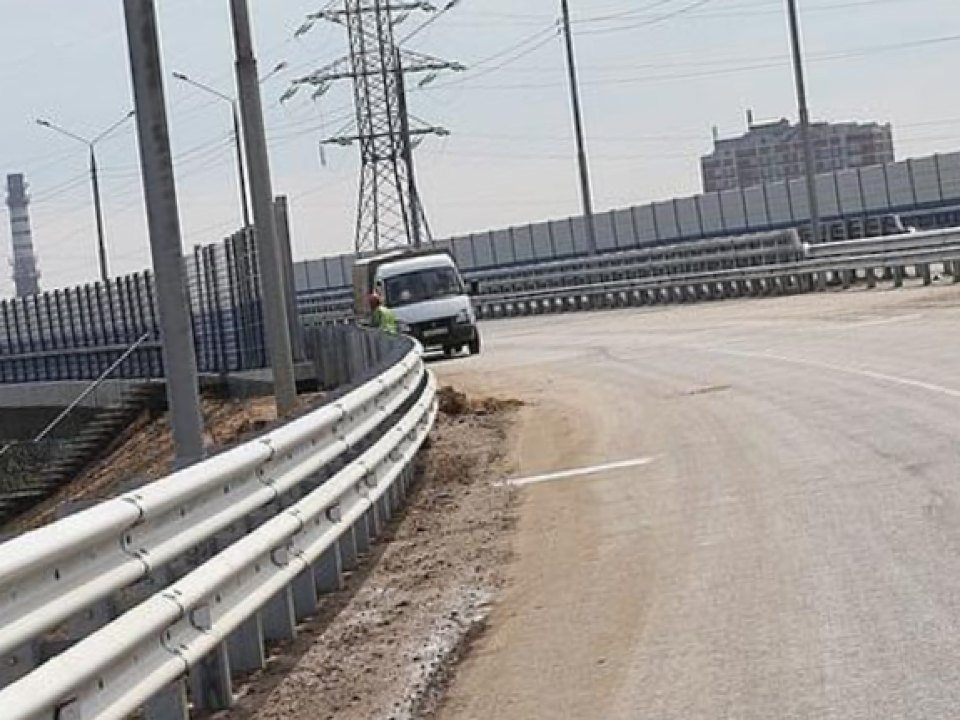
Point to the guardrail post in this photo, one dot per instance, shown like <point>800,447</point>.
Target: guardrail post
<point>871,279</point>
<point>845,279</point>
<point>245,646</point>
<point>927,277</point>
<point>898,277</point>
<point>305,600</point>
<point>210,686</point>
<point>169,704</point>
<point>349,556</point>
<point>280,617</point>
<point>328,572</point>
<point>956,271</point>
<point>822,281</point>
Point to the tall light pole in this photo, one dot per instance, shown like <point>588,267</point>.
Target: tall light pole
<point>237,135</point>
<point>237,139</point>
<point>585,191</point>
<point>810,166</point>
<point>94,180</point>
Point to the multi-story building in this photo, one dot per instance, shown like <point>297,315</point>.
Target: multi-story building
<point>769,152</point>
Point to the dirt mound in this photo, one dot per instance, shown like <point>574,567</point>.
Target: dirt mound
<point>457,404</point>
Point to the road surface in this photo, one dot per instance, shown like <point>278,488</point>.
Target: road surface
<point>781,538</point>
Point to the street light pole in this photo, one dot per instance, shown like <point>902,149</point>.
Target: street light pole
<point>237,137</point>
<point>94,181</point>
<point>810,167</point>
<point>98,211</point>
<point>585,191</point>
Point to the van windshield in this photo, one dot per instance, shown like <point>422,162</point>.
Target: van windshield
<point>421,286</point>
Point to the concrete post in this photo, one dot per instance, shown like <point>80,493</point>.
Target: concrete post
<point>285,245</point>
<point>261,189</point>
<point>163,220</point>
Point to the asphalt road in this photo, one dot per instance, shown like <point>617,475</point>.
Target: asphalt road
<point>789,549</point>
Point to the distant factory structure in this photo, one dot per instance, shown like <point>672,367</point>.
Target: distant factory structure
<point>773,152</point>
<point>26,273</point>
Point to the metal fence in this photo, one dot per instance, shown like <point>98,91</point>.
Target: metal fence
<point>77,333</point>
<point>924,192</point>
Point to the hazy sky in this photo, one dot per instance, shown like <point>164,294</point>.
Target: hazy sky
<point>657,75</point>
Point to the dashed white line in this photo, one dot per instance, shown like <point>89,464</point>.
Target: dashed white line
<point>580,472</point>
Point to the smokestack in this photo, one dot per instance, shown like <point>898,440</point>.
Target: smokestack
<point>26,275</point>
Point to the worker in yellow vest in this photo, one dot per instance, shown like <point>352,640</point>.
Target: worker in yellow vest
<point>382,317</point>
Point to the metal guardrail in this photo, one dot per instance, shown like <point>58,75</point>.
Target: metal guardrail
<point>332,307</point>
<point>803,276</point>
<point>228,552</point>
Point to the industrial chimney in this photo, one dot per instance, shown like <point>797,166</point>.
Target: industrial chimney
<point>26,275</point>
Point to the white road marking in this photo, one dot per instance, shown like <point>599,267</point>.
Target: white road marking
<point>859,372</point>
<point>580,472</point>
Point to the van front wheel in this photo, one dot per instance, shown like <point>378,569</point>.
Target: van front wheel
<point>475,345</point>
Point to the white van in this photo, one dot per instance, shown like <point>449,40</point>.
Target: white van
<point>428,295</point>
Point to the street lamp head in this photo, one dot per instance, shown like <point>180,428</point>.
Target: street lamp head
<point>43,123</point>
<point>181,76</point>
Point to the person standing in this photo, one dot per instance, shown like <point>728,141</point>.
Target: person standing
<point>382,317</point>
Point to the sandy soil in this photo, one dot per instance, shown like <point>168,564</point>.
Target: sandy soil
<point>144,453</point>
<point>383,648</point>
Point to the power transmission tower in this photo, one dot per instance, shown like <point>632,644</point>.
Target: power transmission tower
<point>389,212</point>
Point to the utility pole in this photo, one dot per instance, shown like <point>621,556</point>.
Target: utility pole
<point>405,138</point>
<point>163,217</point>
<point>237,139</point>
<point>98,211</point>
<point>585,192</point>
<point>809,163</point>
<point>241,170</point>
<point>94,180</point>
<point>261,188</point>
